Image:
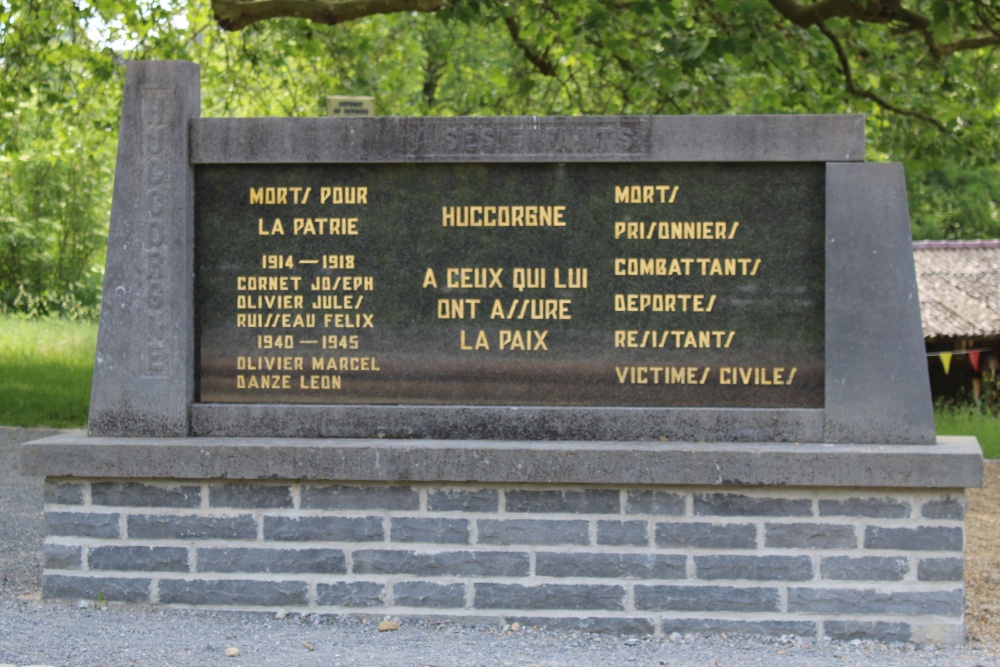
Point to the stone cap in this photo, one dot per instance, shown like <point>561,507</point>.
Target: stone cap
<point>762,138</point>
<point>954,462</point>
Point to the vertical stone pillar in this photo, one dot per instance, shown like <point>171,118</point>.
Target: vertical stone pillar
<point>144,370</point>
<point>877,389</point>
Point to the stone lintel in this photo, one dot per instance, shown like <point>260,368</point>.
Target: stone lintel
<point>763,138</point>
<point>954,462</point>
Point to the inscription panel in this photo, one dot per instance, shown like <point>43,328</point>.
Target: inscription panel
<point>687,285</point>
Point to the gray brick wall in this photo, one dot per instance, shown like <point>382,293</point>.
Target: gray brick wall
<point>136,494</point>
<point>812,562</point>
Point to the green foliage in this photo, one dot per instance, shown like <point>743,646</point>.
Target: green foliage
<point>62,72</point>
<point>56,159</point>
<point>52,228</point>
<point>46,366</point>
<point>950,202</point>
<point>645,56</point>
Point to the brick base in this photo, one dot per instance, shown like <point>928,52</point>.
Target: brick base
<point>882,564</point>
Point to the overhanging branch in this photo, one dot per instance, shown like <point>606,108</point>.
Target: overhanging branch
<point>539,60</point>
<point>967,44</point>
<point>885,12</point>
<point>805,16</point>
<point>853,89</point>
<point>238,14</point>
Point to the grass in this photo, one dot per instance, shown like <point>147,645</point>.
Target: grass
<point>45,371</point>
<point>46,368</point>
<point>967,420</point>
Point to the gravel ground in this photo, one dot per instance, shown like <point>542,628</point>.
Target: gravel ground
<point>36,632</point>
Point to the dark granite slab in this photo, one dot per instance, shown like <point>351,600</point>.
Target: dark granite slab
<point>652,285</point>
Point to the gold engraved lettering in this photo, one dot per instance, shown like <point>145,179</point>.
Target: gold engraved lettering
<point>756,375</point>
<point>367,364</point>
<point>329,382</point>
<point>572,279</point>
<point>335,342</point>
<point>664,303</point>
<point>348,320</point>
<point>325,226</point>
<point>338,261</point>
<point>343,195</point>
<point>481,343</point>
<point>651,338</point>
<point>244,363</point>
<point>268,302</point>
<point>337,301</point>
<point>686,266</point>
<point>263,381</point>
<point>269,342</point>
<point>531,309</point>
<point>528,278</point>
<point>277,262</point>
<point>529,340</point>
<point>275,321</point>
<point>662,374</point>
<point>646,194</point>
<point>473,278</point>
<point>457,309</point>
<point>275,229</point>
<point>429,279</point>
<point>279,195</point>
<point>680,231</point>
<point>267,283</point>
<point>503,216</point>
<point>343,284</point>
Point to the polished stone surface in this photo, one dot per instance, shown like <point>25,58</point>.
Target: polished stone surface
<point>392,296</point>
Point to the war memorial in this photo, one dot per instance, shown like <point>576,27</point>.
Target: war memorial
<point>628,374</point>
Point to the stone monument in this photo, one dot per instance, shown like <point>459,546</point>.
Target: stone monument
<point>632,374</point>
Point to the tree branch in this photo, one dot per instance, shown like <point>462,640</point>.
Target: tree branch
<point>805,16</point>
<point>628,68</point>
<point>869,11</point>
<point>886,11</point>
<point>238,14</point>
<point>967,44</point>
<point>540,61</point>
<point>867,94</point>
<point>989,16</point>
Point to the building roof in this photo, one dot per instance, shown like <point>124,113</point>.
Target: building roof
<point>959,283</point>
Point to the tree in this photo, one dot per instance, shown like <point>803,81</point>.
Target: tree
<point>865,39</point>
<point>925,72</point>
<point>53,175</point>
